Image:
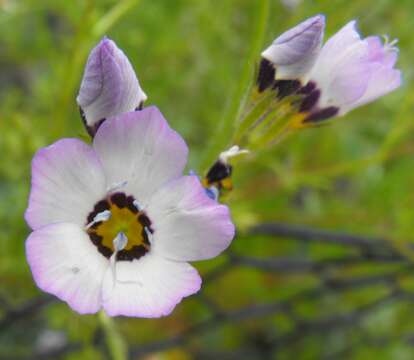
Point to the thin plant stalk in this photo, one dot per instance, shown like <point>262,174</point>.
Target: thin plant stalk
<point>114,340</point>
<point>225,130</point>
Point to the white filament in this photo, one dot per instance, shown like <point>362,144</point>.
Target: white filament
<point>117,186</point>
<point>120,242</point>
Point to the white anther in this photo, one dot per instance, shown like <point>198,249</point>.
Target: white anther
<point>120,241</point>
<point>149,234</point>
<point>102,216</point>
<point>137,205</point>
<point>232,152</point>
<point>117,186</point>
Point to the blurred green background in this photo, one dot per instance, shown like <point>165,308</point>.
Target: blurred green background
<point>190,56</point>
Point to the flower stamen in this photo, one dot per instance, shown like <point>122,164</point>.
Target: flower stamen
<point>100,217</point>
<point>137,205</point>
<point>119,244</point>
<point>149,234</point>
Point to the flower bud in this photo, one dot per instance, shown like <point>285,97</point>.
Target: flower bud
<point>293,53</point>
<point>109,86</point>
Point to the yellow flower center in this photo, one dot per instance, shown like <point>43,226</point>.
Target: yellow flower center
<point>124,217</point>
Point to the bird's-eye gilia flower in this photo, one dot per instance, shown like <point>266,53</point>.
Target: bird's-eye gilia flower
<point>114,224</point>
<point>109,86</point>
<point>349,72</point>
<point>292,54</point>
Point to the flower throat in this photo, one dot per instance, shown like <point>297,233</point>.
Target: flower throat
<point>116,214</point>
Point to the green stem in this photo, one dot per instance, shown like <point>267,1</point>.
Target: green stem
<point>112,17</point>
<point>224,132</point>
<point>114,340</point>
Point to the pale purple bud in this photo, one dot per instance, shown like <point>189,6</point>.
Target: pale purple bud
<point>351,71</point>
<point>109,86</point>
<point>293,53</point>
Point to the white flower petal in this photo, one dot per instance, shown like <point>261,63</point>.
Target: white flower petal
<point>140,150</point>
<point>67,180</point>
<point>65,263</point>
<point>187,224</point>
<point>148,287</point>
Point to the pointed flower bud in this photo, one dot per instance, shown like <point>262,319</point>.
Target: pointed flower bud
<point>292,55</point>
<point>109,86</point>
<point>350,72</point>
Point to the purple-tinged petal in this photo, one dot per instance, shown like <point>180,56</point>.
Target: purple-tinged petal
<point>67,180</point>
<point>140,150</point>
<point>340,42</point>
<point>295,51</point>
<point>379,53</point>
<point>65,263</point>
<point>294,44</point>
<point>109,86</point>
<point>383,81</point>
<point>348,84</point>
<point>351,71</point>
<point>149,287</point>
<point>187,224</point>
<point>333,53</point>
